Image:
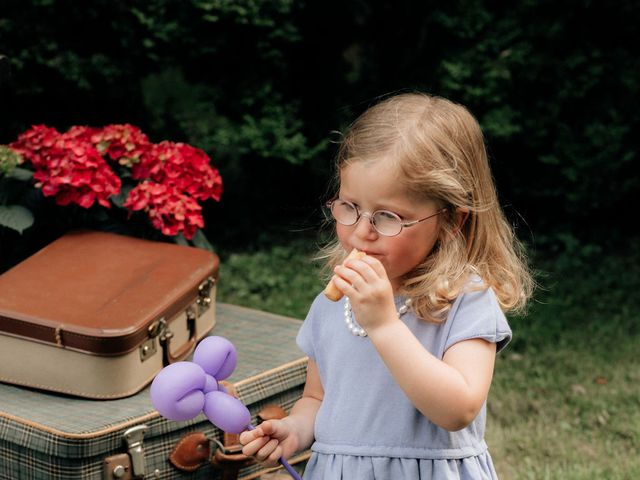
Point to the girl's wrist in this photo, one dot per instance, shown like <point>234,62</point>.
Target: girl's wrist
<point>385,330</point>
<point>293,437</point>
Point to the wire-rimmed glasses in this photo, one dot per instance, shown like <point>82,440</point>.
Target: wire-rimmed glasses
<point>384,222</point>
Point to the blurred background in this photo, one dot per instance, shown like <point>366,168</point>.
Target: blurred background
<point>264,87</point>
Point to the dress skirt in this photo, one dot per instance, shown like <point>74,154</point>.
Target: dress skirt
<point>323,466</point>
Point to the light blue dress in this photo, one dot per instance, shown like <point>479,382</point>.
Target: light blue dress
<point>366,427</point>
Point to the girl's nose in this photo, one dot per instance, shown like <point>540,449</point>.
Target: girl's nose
<point>364,227</point>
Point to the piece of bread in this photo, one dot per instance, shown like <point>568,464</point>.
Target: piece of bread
<point>332,292</point>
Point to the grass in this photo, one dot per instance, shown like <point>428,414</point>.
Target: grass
<point>278,279</point>
<point>567,413</point>
<point>565,400</point>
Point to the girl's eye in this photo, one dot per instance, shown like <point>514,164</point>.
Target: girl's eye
<point>384,215</point>
<point>347,205</point>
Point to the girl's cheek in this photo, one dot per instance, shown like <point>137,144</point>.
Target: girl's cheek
<point>342,233</point>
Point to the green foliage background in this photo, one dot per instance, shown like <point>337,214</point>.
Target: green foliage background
<point>262,86</point>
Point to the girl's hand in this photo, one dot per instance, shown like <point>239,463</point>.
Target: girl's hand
<point>269,441</point>
<point>370,293</point>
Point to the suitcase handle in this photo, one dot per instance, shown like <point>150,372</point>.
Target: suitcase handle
<point>166,336</point>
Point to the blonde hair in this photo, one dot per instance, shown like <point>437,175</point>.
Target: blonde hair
<point>440,153</point>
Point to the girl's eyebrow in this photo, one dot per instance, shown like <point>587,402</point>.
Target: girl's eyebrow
<point>401,212</point>
<point>395,208</point>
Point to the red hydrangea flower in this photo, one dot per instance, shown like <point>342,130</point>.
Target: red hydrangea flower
<point>181,166</point>
<point>81,133</point>
<point>68,167</point>
<point>36,141</point>
<point>124,143</point>
<point>169,210</point>
<point>74,172</point>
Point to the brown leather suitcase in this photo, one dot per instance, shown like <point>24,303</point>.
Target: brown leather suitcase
<point>97,315</point>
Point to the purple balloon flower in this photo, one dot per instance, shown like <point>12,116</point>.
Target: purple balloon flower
<point>183,390</point>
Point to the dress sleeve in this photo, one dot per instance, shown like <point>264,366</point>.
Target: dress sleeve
<point>305,334</point>
<point>477,314</point>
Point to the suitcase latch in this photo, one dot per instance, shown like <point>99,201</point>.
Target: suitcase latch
<point>133,438</point>
<point>131,465</point>
<point>147,349</point>
<point>204,294</point>
<point>159,328</point>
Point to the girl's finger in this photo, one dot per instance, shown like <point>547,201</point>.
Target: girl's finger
<point>270,427</point>
<point>264,452</point>
<point>253,447</point>
<point>250,435</point>
<point>348,274</point>
<point>276,454</point>
<point>376,265</point>
<point>365,269</point>
<point>345,287</point>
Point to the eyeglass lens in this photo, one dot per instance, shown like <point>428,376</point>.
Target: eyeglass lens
<point>386,223</point>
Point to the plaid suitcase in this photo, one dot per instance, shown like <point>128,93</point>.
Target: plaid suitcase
<point>49,436</point>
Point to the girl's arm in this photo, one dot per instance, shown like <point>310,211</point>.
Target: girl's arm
<point>273,439</point>
<point>303,414</point>
<point>451,391</point>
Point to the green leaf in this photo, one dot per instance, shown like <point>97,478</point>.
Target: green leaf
<point>15,217</point>
<point>119,198</point>
<point>201,241</point>
<point>180,240</point>
<point>21,174</point>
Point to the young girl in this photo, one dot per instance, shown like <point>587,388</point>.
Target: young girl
<point>400,369</point>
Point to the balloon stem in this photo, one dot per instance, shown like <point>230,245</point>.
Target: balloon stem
<point>289,469</point>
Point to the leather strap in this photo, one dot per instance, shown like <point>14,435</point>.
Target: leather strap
<point>192,451</point>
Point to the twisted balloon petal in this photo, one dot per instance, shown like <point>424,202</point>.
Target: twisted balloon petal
<point>211,384</point>
<point>217,356</point>
<point>226,412</point>
<point>177,391</point>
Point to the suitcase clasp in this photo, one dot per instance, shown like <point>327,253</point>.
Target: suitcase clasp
<point>160,329</point>
<point>204,295</point>
<point>130,465</point>
<point>134,438</point>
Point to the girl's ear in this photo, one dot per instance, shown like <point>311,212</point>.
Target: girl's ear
<point>462,214</point>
